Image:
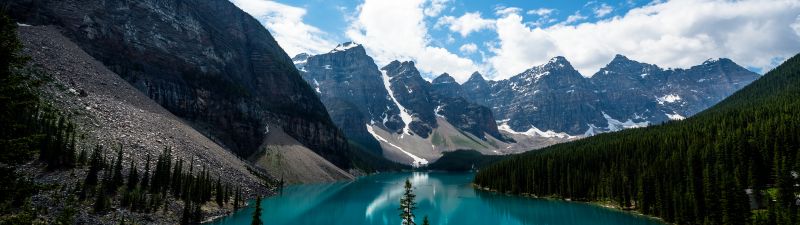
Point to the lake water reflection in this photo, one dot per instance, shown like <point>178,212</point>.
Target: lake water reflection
<point>447,198</point>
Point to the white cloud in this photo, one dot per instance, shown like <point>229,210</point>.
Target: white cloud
<point>468,48</point>
<point>435,7</point>
<point>466,24</point>
<point>396,30</point>
<point>677,34</point>
<point>602,10</point>
<point>796,26</point>
<point>574,18</point>
<point>504,11</point>
<point>285,23</point>
<point>542,12</point>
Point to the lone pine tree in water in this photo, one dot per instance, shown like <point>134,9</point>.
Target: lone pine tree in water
<point>407,205</point>
<point>257,213</point>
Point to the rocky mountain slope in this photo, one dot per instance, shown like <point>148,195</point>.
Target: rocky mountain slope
<point>554,98</point>
<point>206,61</point>
<point>393,110</point>
<point>110,112</point>
<point>541,106</point>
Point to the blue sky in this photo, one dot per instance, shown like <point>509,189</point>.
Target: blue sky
<point>503,38</point>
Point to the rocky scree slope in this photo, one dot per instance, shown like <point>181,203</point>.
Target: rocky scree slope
<point>109,111</point>
<point>206,61</point>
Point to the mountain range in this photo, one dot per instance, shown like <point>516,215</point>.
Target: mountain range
<point>396,112</point>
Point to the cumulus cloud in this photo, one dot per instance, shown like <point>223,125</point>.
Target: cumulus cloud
<point>574,18</point>
<point>542,12</point>
<point>468,48</point>
<point>504,11</point>
<point>435,7</point>
<point>286,24</point>
<point>465,24</point>
<point>602,10</point>
<point>396,30</point>
<point>677,34</point>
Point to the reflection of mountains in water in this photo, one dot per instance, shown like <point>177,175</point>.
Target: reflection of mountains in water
<point>544,211</point>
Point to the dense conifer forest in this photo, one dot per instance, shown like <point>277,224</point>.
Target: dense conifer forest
<point>735,163</point>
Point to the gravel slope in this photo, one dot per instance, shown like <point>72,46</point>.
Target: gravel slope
<point>110,112</point>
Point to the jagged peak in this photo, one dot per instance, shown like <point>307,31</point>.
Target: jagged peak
<point>717,60</point>
<point>476,76</point>
<point>444,78</point>
<point>620,58</point>
<point>345,46</point>
<point>300,58</point>
<point>558,62</point>
<point>395,64</point>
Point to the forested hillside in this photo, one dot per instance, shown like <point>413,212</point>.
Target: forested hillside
<point>735,163</point>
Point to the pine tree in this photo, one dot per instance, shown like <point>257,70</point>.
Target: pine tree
<point>101,202</point>
<point>133,176</point>
<point>117,179</point>
<point>82,157</point>
<point>257,213</point>
<point>425,221</point>
<point>94,167</point>
<point>407,204</point>
<point>236,199</point>
<point>177,179</point>
<point>186,215</point>
<point>219,192</point>
<point>146,175</point>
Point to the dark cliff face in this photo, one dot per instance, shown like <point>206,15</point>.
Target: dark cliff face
<point>446,86</point>
<point>553,96</point>
<point>476,89</point>
<point>352,89</point>
<point>204,60</point>
<point>413,92</point>
<point>556,97</point>
<point>457,110</point>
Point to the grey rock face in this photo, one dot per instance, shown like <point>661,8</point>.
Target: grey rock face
<point>446,86</point>
<point>351,87</point>
<point>624,93</point>
<point>413,92</point>
<point>206,61</point>
<point>476,89</point>
<point>461,113</point>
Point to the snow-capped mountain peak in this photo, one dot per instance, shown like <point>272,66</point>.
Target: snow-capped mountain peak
<point>345,46</point>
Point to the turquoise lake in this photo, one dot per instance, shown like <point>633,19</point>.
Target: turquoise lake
<point>447,198</point>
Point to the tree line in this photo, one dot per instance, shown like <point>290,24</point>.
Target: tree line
<point>735,163</point>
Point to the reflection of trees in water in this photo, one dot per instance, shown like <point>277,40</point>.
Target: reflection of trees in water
<point>447,198</point>
<point>542,211</point>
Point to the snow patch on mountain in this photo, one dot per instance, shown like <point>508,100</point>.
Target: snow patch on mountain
<point>533,131</point>
<point>591,131</point>
<point>403,113</point>
<point>344,46</point>
<point>675,116</point>
<point>616,125</point>
<point>418,161</point>
<point>316,86</point>
<point>670,98</point>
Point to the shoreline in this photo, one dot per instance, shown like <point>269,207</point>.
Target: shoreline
<point>593,203</point>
